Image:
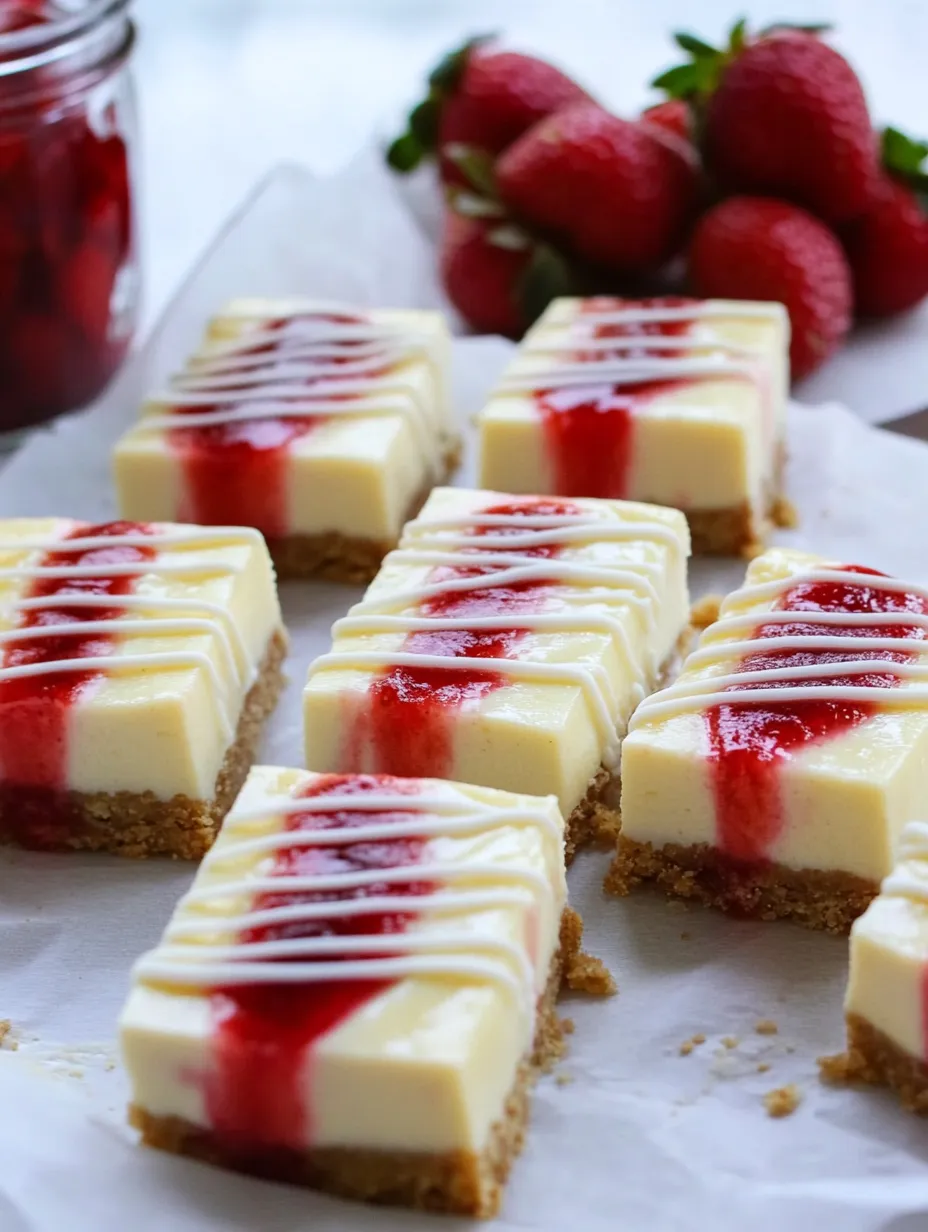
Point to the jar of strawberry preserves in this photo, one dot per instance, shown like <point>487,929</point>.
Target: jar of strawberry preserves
<point>69,278</point>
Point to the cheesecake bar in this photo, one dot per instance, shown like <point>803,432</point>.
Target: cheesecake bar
<point>675,401</point>
<point>887,996</point>
<point>358,990</point>
<point>138,662</point>
<point>323,427</point>
<point>506,642</point>
<point>774,777</point>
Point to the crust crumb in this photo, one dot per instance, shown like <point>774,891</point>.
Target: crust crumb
<point>5,1028</point>
<point>567,1026</point>
<point>784,514</point>
<point>563,1080</point>
<point>705,611</point>
<point>699,1038</point>
<point>686,1048</point>
<point>590,975</point>
<point>763,1068</point>
<point>684,936</point>
<point>838,1069</point>
<point>766,1026</point>
<point>783,1101</point>
<point>730,1041</point>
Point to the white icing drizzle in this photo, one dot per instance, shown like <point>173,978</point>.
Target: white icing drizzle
<point>619,372</point>
<point>634,586</point>
<point>295,379</point>
<point>660,313</point>
<point>546,344</point>
<point>238,670</point>
<point>761,686</point>
<point>460,954</point>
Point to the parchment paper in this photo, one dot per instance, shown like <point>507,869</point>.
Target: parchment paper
<point>630,1134</point>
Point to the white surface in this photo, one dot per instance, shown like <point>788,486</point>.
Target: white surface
<point>227,87</point>
<point>641,1137</point>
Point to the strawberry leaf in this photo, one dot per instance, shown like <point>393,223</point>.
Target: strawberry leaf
<point>901,154</point>
<point>680,82</point>
<point>547,276</point>
<point>695,46</point>
<point>423,122</point>
<point>738,36</point>
<point>446,74</point>
<point>405,153</point>
<point>475,165</point>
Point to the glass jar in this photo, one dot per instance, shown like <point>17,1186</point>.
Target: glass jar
<point>69,277</point>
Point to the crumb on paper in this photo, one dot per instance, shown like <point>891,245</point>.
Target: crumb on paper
<point>763,1068</point>
<point>590,975</point>
<point>705,611</point>
<point>693,1042</point>
<point>684,936</point>
<point>110,1066</point>
<point>75,1073</point>
<point>790,1047</point>
<point>783,1101</point>
<point>730,1041</point>
<point>785,513</point>
<point>836,1069</point>
<point>563,1080</point>
<point>567,1026</point>
<point>766,1026</point>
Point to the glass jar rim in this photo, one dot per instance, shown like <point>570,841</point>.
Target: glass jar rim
<point>69,36</point>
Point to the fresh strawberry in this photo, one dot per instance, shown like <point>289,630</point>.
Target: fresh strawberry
<point>782,114</point>
<point>761,249</point>
<point>481,98</point>
<point>614,192</point>
<point>888,246</point>
<point>496,276</point>
<point>673,116</point>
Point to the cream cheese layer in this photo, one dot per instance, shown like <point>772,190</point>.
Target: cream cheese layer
<point>506,642</point>
<point>680,402</point>
<point>357,964</point>
<point>797,731</point>
<point>310,417</point>
<point>127,653</point>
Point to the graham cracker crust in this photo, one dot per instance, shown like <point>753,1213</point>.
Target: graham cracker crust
<point>458,1182</point>
<point>341,558</point>
<point>735,531</point>
<point>822,899</point>
<point>596,820</point>
<point>874,1058</point>
<point>139,824</point>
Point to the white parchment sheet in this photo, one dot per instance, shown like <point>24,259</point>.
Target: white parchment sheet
<point>633,1135</point>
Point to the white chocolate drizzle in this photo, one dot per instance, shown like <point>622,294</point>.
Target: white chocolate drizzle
<point>773,685</point>
<point>635,586</point>
<point>296,378</point>
<point>228,680</point>
<point>620,372</point>
<point>203,945</point>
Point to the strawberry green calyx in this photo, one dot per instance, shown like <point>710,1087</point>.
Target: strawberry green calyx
<point>420,139</point>
<point>697,79</point>
<point>904,158</point>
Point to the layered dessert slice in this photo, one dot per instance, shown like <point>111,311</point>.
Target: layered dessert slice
<point>887,996</point>
<point>359,988</point>
<point>322,426</point>
<point>506,642</point>
<point>675,401</point>
<point>139,662</point>
<point>773,778</point>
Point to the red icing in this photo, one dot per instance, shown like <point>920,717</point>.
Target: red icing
<point>410,709</point>
<point>237,472</point>
<point>66,225</point>
<point>263,1035</point>
<point>35,710</point>
<point>750,744</point>
<point>589,431</point>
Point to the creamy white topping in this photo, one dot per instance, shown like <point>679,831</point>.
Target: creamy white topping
<point>760,686</point>
<point>191,955</point>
